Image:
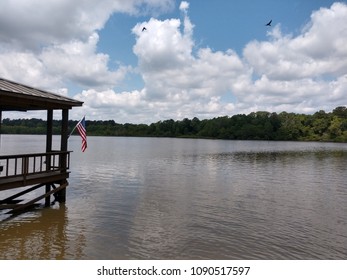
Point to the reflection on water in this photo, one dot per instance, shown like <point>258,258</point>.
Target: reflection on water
<point>143,198</point>
<point>40,234</point>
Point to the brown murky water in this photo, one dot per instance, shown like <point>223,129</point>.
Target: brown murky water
<point>153,198</point>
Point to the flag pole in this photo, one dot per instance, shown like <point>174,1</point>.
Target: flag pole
<point>75,127</point>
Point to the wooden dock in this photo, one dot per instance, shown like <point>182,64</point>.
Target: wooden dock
<point>30,172</point>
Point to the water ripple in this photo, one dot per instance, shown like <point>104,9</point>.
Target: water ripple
<point>154,198</point>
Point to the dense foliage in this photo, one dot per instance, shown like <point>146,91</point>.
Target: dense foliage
<point>320,126</point>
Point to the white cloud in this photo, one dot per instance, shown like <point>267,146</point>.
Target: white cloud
<point>55,42</point>
<point>184,6</point>
<point>187,85</point>
<point>79,62</point>
<point>319,50</point>
<point>73,62</point>
<point>26,68</point>
<point>301,73</point>
<point>284,73</point>
<point>47,22</point>
<point>59,21</point>
<point>308,69</point>
<point>161,46</point>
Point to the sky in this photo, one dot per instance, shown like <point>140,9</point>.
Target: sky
<point>196,58</point>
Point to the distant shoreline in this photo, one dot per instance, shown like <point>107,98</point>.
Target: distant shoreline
<point>184,137</point>
<point>321,127</point>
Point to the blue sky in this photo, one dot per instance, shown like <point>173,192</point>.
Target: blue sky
<point>219,24</point>
<point>197,58</point>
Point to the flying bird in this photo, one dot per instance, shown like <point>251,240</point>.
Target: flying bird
<point>269,23</point>
<point>144,29</point>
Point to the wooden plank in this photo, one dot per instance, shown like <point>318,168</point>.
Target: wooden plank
<point>55,152</point>
<point>11,198</point>
<point>8,206</point>
<point>18,181</point>
<point>13,201</point>
<point>31,202</point>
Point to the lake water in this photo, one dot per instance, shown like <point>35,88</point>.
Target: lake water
<point>158,198</point>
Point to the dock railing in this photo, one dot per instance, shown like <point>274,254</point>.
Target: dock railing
<point>24,165</point>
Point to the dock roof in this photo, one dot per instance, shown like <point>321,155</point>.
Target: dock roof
<point>19,97</point>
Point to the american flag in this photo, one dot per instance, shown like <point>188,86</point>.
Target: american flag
<point>81,127</point>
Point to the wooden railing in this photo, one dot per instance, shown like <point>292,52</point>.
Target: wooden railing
<point>31,164</point>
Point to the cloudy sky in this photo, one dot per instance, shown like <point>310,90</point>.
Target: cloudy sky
<point>196,58</point>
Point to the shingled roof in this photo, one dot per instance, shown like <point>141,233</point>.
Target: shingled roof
<point>18,97</point>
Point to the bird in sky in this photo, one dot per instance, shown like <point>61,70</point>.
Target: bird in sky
<point>144,29</point>
<point>269,23</point>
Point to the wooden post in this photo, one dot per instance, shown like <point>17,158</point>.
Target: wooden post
<point>0,126</point>
<point>64,130</point>
<point>0,130</point>
<point>61,195</point>
<point>1,166</point>
<point>49,139</point>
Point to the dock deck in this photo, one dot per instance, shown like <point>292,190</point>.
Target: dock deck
<point>33,171</point>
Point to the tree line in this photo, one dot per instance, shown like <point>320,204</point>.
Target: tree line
<point>261,125</point>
